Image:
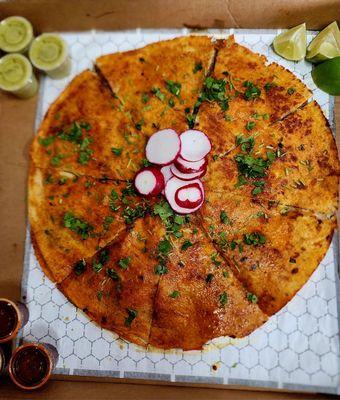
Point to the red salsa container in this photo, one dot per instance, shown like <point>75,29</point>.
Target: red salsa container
<point>31,365</point>
<point>13,316</point>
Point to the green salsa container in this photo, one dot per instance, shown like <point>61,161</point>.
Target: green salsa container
<point>49,53</point>
<point>16,76</point>
<point>16,34</point>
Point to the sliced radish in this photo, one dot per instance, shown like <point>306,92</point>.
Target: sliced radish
<point>189,196</point>
<point>172,187</point>
<point>163,147</point>
<point>188,167</point>
<point>195,145</point>
<point>186,177</point>
<point>167,174</point>
<point>149,181</point>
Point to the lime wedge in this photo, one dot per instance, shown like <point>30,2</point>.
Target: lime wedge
<point>292,44</point>
<point>326,76</point>
<point>325,45</point>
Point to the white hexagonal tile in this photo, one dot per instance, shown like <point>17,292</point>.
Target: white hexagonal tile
<point>289,360</point>
<point>90,363</point>
<point>65,347</point>
<point>108,363</point>
<point>297,306</point>
<point>57,297</point>
<point>201,368</point>
<point>328,325</point>
<point>268,358</point>
<point>230,355</point>
<point>92,332</point>
<point>259,339</point>
<point>67,312</point>
<point>249,357</point>
<point>316,306</point>
<point>42,294</point>
<point>298,342</point>
<point>35,278</point>
<point>56,329</point>
<point>287,323</point>
<point>278,340</point>
<point>100,349</point>
<point>307,324</point>
<point>75,329</point>
<point>300,376</point>
<point>309,362</point>
<point>34,310</point>
<point>319,343</point>
<point>49,312</point>
<point>82,347</point>
<point>39,329</point>
<point>72,361</point>
<point>325,289</point>
<point>259,372</point>
<point>329,363</point>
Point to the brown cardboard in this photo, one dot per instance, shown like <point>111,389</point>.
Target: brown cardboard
<point>17,129</point>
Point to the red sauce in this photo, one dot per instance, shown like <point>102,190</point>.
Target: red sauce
<point>8,319</point>
<point>30,366</point>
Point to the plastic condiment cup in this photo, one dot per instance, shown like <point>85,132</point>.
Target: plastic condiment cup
<point>49,53</point>
<point>16,76</point>
<point>31,365</point>
<point>16,34</point>
<point>13,317</point>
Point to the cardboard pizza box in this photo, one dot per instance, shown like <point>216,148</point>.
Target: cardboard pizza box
<point>17,129</point>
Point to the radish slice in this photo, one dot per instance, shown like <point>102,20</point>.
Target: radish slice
<point>189,196</point>
<point>167,174</point>
<point>188,167</point>
<point>171,189</point>
<point>186,177</point>
<point>163,147</point>
<point>195,145</point>
<point>149,181</point>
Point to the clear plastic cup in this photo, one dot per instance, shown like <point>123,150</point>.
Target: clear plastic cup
<point>17,76</point>
<point>49,53</point>
<point>16,34</point>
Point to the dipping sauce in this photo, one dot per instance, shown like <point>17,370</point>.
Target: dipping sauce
<point>31,365</point>
<point>8,319</point>
<point>49,53</point>
<point>16,34</point>
<point>16,76</point>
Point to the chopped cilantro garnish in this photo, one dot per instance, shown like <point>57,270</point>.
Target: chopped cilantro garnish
<point>174,294</point>
<point>173,87</point>
<point>190,118</point>
<point>252,297</point>
<point>268,86</point>
<point>224,218</point>
<point>97,266</point>
<point>111,273</point>
<point>225,274</point>
<point>164,247</point>
<point>250,125</point>
<point>209,278</point>
<point>186,244</point>
<point>198,67</point>
<point>215,260</point>
<point>223,299</point>
<point>139,124</point>
<point>291,91</point>
<point>254,239</point>
<point>131,214</point>
<point>107,222</point>
<point>145,163</point>
<point>55,160</point>
<point>246,143</point>
<point>252,92</point>
<point>214,90</point>
<point>99,295</point>
<point>145,98</point>
<point>161,269</point>
<point>117,151</point>
<point>171,102</point>
<point>132,314</point>
<point>77,225</point>
<point>47,141</point>
<point>157,92</point>
<point>79,267</point>
<point>124,262</point>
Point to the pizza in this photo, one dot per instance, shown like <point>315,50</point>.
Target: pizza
<point>132,263</point>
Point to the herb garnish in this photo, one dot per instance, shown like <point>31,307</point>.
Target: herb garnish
<point>111,273</point>
<point>198,67</point>
<point>186,244</point>
<point>224,218</point>
<point>117,151</point>
<point>209,278</point>
<point>223,299</point>
<point>79,267</point>
<point>252,92</point>
<point>254,238</point>
<point>252,298</point>
<point>173,87</point>
<point>77,225</point>
<point>174,294</point>
<point>157,92</point>
<point>124,262</point>
<point>132,314</point>
<point>250,125</point>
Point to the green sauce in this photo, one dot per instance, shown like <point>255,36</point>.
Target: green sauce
<point>16,33</point>
<point>16,76</point>
<point>48,52</point>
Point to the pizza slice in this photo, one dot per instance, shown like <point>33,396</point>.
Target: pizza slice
<point>71,217</point>
<point>86,132</point>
